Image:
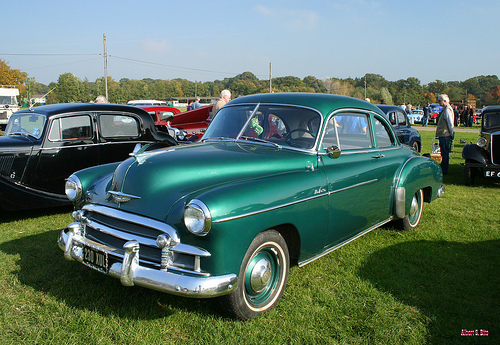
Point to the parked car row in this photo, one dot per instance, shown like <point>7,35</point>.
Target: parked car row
<point>42,146</point>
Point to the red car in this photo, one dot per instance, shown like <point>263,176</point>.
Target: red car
<point>194,122</point>
<point>189,125</point>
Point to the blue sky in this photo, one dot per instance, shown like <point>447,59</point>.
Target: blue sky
<point>208,40</point>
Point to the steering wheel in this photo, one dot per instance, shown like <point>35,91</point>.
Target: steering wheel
<point>289,135</point>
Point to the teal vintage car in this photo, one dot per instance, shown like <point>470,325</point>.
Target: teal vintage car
<point>277,180</point>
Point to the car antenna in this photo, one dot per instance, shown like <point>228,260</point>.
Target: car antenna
<point>31,105</point>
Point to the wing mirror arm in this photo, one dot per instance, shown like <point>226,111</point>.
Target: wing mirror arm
<point>333,151</point>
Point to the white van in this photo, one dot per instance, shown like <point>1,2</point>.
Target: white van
<point>8,103</point>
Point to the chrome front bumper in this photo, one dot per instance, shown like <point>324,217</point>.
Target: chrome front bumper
<point>131,273</point>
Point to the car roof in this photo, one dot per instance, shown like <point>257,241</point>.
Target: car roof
<point>491,108</point>
<point>385,107</point>
<point>61,108</point>
<point>325,103</point>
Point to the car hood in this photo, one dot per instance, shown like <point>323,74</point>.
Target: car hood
<point>157,180</point>
<point>15,142</point>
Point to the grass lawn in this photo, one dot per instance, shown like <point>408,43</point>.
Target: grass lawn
<point>387,287</point>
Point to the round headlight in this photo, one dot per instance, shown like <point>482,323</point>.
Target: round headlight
<point>482,142</point>
<point>73,188</point>
<point>197,218</point>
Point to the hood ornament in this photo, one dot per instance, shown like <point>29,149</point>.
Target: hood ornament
<point>119,197</point>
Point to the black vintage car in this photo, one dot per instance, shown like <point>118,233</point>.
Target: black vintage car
<point>42,146</point>
<point>399,120</point>
<point>483,158</point>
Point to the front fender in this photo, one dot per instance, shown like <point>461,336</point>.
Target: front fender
<point>241,210</point>
<point>472,152</point>
<point>417,173</point>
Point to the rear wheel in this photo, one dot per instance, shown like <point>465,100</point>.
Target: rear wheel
<point>412,218</point>
<point>262,278</point>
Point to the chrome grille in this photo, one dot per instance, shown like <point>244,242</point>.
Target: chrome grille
<point>495,148</point>
<point>114,228</point>
<point>6,163</point>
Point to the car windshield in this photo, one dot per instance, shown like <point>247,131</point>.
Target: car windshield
<point>491,120</point>
<point>276,124</point>
<point>25,124</point>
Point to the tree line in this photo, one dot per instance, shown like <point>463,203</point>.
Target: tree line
<point>485,90</point>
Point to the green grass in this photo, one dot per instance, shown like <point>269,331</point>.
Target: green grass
<point>387,287</point>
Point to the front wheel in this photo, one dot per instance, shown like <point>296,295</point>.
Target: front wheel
<point>469,174</point>
<point>262,277</point>
<point>412,218</point>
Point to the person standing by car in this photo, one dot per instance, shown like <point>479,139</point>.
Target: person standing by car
<point>101,99</point>
<point>196,103</point>
<point>427,112</point>
<point>445,130</point>
<point>456,115</point>
<point>225,96</point>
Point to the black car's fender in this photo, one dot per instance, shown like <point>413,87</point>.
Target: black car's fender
<point>472,152</point>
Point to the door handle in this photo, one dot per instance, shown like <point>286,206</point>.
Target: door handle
<point>380,155</point>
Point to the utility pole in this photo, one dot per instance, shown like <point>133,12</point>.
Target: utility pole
<point>270,77</point>
<point>105,68</point>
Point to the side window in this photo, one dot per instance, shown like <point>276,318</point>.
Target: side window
<point>118,126</point>
<point>401,119</point>
<point>393,118</point>
<point>384,138</point>
<point>350,131</point>
<point>71,128</point>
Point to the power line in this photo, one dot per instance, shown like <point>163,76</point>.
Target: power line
<point>170,66</point>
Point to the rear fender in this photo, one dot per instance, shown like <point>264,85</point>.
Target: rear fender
<point>418,173</point>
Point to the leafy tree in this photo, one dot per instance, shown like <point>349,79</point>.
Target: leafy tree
<point>314,83</point>
<point>10,76</point>
<point>69,88</point>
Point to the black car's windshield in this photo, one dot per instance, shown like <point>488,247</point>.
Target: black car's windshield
<point>491,120</point>
<point>278,124</point>
<point>25,124</point>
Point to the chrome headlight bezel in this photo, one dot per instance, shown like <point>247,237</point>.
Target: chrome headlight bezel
<point>73,188</point>
<point>197,218</point>
<point>482,142</point>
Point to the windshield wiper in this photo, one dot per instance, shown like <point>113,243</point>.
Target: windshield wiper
<point>24,134</point>
<point>218,139</point>
<point>260,141</point>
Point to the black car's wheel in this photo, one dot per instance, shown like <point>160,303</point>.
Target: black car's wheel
<point>469,174</point>
<point>262,277</point>
<point>416,146</point>
<point>412,218</point>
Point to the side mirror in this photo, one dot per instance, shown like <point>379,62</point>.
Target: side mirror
<point>333,151</point>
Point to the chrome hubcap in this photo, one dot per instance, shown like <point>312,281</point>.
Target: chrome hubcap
<point>260,276</point>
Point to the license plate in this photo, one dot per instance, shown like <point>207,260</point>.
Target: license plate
<point>492,173</point>
<point>95,258</point>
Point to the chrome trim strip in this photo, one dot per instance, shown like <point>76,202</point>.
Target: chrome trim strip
<point>90,145</point>
<point>270,208</point>
<point>353,186</point>
<point>329,250</point>
<point>130,272</point>
<point>293,202</point>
